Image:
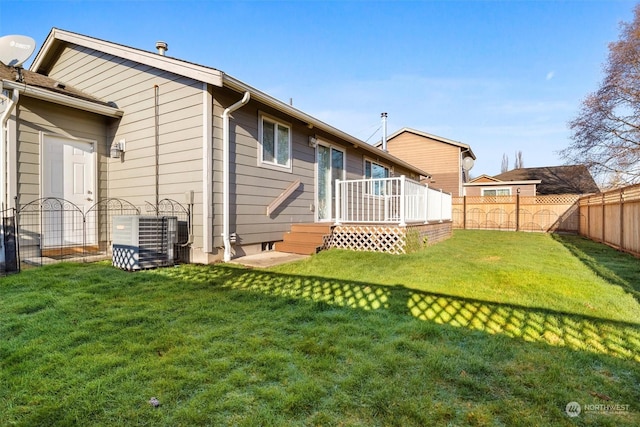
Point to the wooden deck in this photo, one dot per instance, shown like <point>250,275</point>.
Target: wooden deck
<point>309,239</point>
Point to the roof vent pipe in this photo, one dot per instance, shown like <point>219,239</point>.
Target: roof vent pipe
<point>384,131</point>
<point>162,47</point>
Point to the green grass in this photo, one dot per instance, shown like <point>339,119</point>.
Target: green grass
<point>484,329</point>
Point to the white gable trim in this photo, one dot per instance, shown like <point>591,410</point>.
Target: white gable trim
<point>176,66</point>
<point>56,98</point>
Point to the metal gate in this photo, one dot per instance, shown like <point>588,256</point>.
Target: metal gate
<point>51,230</point>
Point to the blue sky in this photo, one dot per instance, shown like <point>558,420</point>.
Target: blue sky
<point>501,76</point>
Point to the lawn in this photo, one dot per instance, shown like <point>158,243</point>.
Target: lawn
<point>487,328</point>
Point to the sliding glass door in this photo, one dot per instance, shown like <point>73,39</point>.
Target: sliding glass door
<point>330,166</point>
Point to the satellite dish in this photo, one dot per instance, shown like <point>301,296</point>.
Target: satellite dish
<point>467,163</point>
<point>14,50</point>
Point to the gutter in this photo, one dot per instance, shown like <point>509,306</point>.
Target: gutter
<point>311,122</point>
<point>225,173</point>
<point>61,99</point>
<point>4,118</point>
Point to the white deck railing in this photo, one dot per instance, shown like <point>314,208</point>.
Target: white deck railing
<point>390,200</point>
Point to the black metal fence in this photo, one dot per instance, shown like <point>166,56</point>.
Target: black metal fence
<point>51,230</point>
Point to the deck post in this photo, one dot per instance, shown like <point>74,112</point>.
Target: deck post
<point>426,203</point>
<point>402,201</point>
<point>338,216</point>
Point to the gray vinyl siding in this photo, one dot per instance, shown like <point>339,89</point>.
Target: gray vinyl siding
<point>36,117</point>
<point>131,86</point>
<point>253,188</point>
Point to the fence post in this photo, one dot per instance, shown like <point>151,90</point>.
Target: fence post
<point>622,218</point>
<point>464,212</point>
<point>441,206</point>
<point>518,210</point>
<point>603,221</point>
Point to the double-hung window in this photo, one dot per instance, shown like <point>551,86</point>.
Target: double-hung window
<point>275,143</point>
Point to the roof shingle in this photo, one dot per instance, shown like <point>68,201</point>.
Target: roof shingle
<point>574,179</point>
<point>43,82</point>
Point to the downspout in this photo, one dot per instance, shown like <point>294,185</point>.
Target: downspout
<point>4,118</point>
<point>225,174</point>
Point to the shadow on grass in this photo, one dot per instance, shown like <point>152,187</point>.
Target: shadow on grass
<point>577,332</point>
<point>610,264</point>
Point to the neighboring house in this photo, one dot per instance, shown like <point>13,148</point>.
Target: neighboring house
<point>94,120</point>
<point>485,185</point>
<point>442,157</point>
<point>539,181</point>
<point>573,179</point>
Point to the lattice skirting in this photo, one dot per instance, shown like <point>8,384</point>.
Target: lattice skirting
<point>386,237</point>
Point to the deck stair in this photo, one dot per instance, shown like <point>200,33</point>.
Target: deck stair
<point>305,239</point>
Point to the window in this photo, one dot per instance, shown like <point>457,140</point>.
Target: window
<point>373,170</point>
<point>496,192</point>
<point>275,143</point>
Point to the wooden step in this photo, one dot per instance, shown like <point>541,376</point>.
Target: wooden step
<point>295,237</point>
<point>297,248</point>
<point>304,239</point>
<point>311,228</point>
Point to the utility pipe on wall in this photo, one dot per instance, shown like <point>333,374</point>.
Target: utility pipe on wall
<point>156,116</point>
<point>225,173</point>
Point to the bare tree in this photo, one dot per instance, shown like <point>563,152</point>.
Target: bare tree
<point>606,133</point>
<point>519,163</point>
<point>505,163</point>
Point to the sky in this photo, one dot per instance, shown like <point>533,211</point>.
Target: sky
<point>500,76</point>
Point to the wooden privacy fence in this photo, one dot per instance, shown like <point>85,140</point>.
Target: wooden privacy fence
<point>613,218</point>
<point>517,213</point>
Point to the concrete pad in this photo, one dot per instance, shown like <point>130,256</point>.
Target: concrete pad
<point>267,259</point>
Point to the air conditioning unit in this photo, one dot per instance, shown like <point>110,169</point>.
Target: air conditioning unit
<point>140,242</point>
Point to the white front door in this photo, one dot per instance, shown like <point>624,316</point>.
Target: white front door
<point>68,172</point>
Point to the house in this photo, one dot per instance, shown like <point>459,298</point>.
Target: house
<point>538,181</point>
<point>94,121</point>
<point>568,179</point>
<point>442,157</point>
<point>485,185</point>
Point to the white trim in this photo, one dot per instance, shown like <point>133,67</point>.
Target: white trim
<point>152,59</point>
<point>434,137</point>
<point>501,183</point>
<point>312,122</point>
<point>316,199</point>
<point>11,163</point>
<point>277,122</point>
<point>496,189</point>
<point>207,169</point>
<point>66,100</point>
